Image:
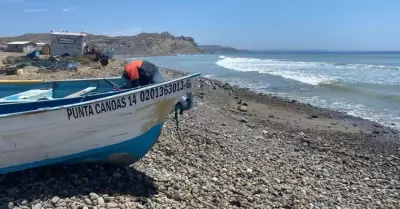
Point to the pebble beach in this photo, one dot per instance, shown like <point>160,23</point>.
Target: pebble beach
<point>234,149</point>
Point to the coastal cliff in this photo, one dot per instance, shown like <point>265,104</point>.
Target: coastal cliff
<point>143,44</point>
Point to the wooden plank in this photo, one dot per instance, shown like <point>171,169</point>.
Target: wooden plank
<point>31,95</point>
<point>81,92</point>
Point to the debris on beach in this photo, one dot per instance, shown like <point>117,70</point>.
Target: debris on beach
<point>242,108</point>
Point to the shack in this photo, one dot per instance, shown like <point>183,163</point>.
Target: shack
<point>21,46</point>
<point>45,49</point>
<point>67,43</point>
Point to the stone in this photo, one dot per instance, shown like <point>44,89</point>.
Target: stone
<point>242,108</point>
<point>112,205</point>
<point>24,203</point>
<point>243,120</point>
<point>28,70</point>
<point>87,201</point>
<point>117,175</point>
<point>93,196</point>
<point>54,200</point>
<point>37,206</point>
<point>62,204</point>
<point>100,201</point>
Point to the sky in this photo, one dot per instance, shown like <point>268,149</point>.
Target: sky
<point>250,24</point>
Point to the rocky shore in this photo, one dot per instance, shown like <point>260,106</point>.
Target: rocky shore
<point>235,149</point>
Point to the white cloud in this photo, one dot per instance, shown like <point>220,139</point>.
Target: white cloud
<point>68,9</point>
<point>35,10</point>
<point>124,32</point>
<point>14,1</point>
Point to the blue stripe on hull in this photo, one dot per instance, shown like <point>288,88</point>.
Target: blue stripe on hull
<point>61,88</point>
<point>126,152</point>
<point>29,106</point>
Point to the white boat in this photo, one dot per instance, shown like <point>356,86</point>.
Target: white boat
<point>120,128</point>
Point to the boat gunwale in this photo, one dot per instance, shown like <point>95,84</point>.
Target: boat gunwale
<point>51,81</point>
<point>48,109</point>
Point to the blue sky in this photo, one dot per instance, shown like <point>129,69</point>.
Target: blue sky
<point>250,24</point>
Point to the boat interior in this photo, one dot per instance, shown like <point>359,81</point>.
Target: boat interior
<point>17,96</point>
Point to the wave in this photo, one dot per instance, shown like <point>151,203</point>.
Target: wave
<point>314,73</point>
<point>339,86</point>
<point>366,66</point>
<point>209,76</point>
<point>382,116</point>
<point>361,91</point>
<point>274,67</point>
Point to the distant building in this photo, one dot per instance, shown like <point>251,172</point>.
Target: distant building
<point>45,49</point>
<point>21,46</point>
<point>68,43</point>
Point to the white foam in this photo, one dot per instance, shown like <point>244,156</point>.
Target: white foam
<point>209,76</point>
<point>287,69</point>
<point>383,116</point>
<point>314,73</point>
<point>222,57</point>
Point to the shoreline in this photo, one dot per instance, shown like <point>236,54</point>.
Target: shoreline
<point>349,120</point>
<point>273,153</point>
<point>390,127</point>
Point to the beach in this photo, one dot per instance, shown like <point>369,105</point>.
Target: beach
<point>362,84</point>
<point>235,149</point>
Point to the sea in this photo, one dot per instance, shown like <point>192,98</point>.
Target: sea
<point>363,84</point>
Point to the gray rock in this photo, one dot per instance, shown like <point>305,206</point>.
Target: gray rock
<point>243,120</point>
<point>100,201</point>
<point>117,175</point>
<point>24,203</point>
<point>95,202</point>
<point>10,205</point>
<point>37,206</point>
<point>93,196</point>
<point>87,201</point>
<point>62,204</point>
<point>122,206</point>
<point>55,200</point>
<point>112,205</point>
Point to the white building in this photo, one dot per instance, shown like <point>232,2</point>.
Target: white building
<point>67,43</point>
<point>21,46</point>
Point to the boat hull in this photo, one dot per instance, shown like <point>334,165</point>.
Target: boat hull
<point>123,153</point>
<point>118,129</point>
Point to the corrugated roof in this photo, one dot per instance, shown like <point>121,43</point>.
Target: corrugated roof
<point>68,33</point>
<point>19,42</point>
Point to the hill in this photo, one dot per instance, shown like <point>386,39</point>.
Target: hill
<point>143,44</point>
<point>217,49</point>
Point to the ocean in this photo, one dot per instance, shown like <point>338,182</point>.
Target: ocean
<point>362,84</point>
